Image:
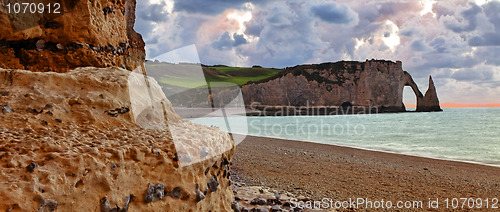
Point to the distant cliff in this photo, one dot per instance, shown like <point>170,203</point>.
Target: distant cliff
<point>373,83</point>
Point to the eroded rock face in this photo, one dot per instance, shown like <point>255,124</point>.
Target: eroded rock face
<point>430,101</point>
<point>372,83</point>
<point>72,143</point>
<point>96,33</point>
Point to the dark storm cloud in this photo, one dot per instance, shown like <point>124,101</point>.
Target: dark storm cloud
<point>182,32</point>
<point>255,26</point>
<point>154,12</point>
<point>286,41</point>
<point>280,17</point>
<point>442,74</point>
<point>335,13</point>
<point>419,45</point>
<point>473,75</point>
<point>442,11</point>
<point>435,61</point>
<point>449,55</point>
<point>469,15</point>
<point>489,83</point>
<point>147,16</point>
<point>407,33</point>
<point>487,39</point>
<point>225,42</point>
<point>368,16</point>
<point>145,28</point>
<point>239,40</point>
<point>253,29</point>
<point>490,55</point>
<point>291,32</point>
<point>153,40</point>
<point>368,23</point>
<point>211,7</point>
<point>277,19</point>
<point>387,8</point>
<point>439,45</point>
<point>492,11</point>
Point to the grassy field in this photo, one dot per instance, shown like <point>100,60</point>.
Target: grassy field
<point>241,75</point>
<point>184,82</point>
<point>196,76</point>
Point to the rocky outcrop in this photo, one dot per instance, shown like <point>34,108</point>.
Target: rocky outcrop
<point>95,33</point>
<point>373,83</point>
<point>88,140</point>
<point>94,138</point>
<point>430,101</point>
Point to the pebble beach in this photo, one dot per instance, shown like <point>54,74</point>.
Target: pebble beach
<point>309,171</point>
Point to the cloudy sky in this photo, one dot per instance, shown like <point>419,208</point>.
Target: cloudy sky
<point>455,41</point>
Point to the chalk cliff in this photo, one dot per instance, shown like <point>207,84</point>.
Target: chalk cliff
<point>373,83</point>
<point>95,33</point>
<point>102,138</point>
<point>430,101</point>
<point>85,140</point>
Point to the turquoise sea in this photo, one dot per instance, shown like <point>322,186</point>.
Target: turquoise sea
<point>461,134</point>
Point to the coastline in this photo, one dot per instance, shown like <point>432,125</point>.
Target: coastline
<point>390,151</point>
<point>200,112</point>
<point>317,171</point>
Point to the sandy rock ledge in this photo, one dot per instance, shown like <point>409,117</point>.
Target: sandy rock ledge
<point>71,142</point>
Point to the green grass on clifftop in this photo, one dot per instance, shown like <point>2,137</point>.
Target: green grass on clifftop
<point>196,76</point>
<point>239,75</point>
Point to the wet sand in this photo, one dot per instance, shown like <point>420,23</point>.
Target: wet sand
<point>319,171</point>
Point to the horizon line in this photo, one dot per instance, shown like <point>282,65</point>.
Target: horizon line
<point>458,105</point>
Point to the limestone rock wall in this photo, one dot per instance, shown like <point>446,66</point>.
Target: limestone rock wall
<point>430,101</point>
<point>96,33</point>
<point>372,83</point>
<point>71,142</point>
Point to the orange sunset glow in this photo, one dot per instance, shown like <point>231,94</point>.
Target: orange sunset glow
<point>455,105</point>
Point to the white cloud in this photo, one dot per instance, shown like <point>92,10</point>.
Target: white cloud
<point>428,7</point>
<point>455,40</point>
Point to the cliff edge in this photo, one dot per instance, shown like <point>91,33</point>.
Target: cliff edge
<point>82,128</point>
<point>80,33</point>
<point>374,83</point>
<point>84,141</point>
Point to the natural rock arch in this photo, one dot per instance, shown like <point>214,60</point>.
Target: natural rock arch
<point>373,83</point>
<point>408,81</point>
<point>425,103</point>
